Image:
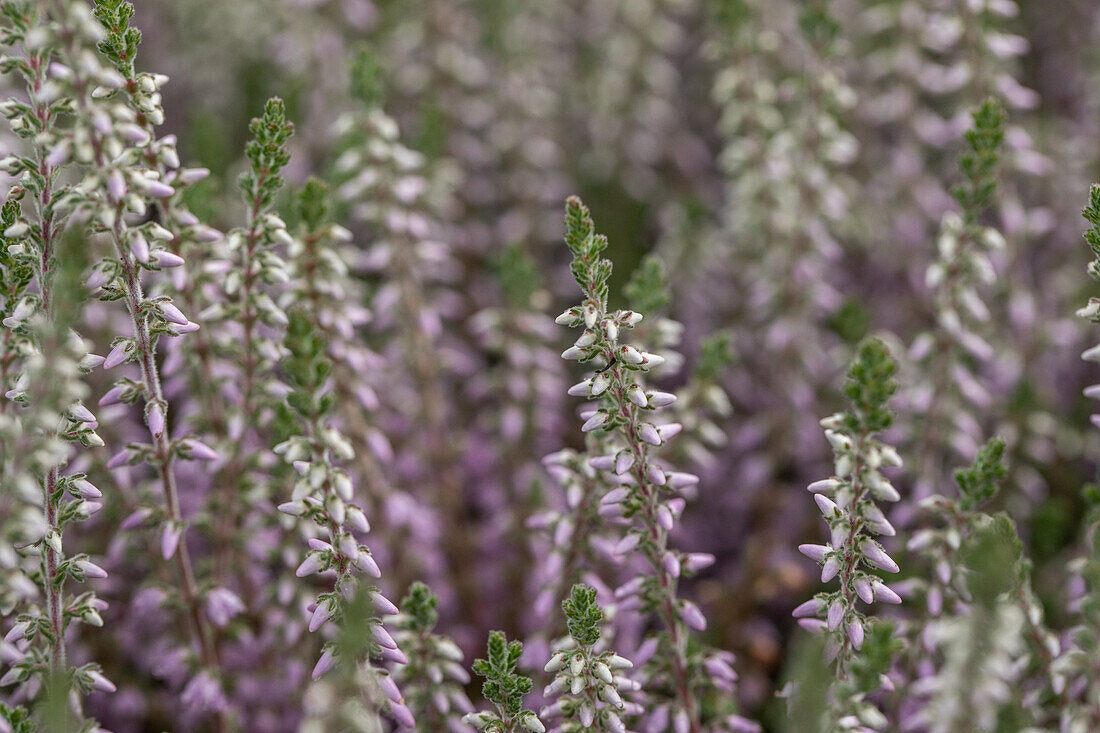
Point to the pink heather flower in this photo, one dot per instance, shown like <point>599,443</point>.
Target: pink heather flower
<point>649,434</point>
<point>324,664</point>
<point>154,189</point>
<point>357,520</point>
<point>203,693</point>
<point>370,567</point>
<point>156,420</point>
<point>672,564</point>
<point>140,247</point>
<point>830,569</point>
<point>167,259</point>
<point>116,184</point>
<point>189,327</point>
<point>389,688</point>
<point>692,616</point>
<point>885,594</point>
<point>402,715</point>
<point>172,314</point>
<point>836,614</point>
<point>623,461</point>
<point>222,605</point>
<point>101,683</point>
<point>320,616</point>
<point>863,590</point>
<point>91,570</point>
<point>80,413</point>
<point>697,561</point>
<point>117,355</point>
<point>86,489</point>
<point>855,633</point>
<point>383,605</point>
<point>877,556</point>
<point>661,399</point>
<point>200,451</point>
<point>136,519</point>
<point>816,553</point>
<point>119,459</point>
<point>170,539</point>
<point>382,637</point>
<point>111,397</point>
<point>809,609</point>
<point>310,565</point>
<point>664,518</point>
<point>594,422</point>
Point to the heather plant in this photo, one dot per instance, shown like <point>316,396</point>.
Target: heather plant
<point>591,683</point>
<point>195,426</point>
<point>847,501</point>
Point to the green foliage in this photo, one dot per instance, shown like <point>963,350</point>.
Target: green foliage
<point>979,481</point>
<point>419,604</point>
<point>120,43</point>
<point>715,355</point>
<point>818,24</point>
<point>647,289</point>
<point>870,386</point>
<point>307,367</point>
<point>515,270</point>
<point>590,271</point>
<point>993,556</point>
<point>16,271</point>
<point>978,163</point>
<point>267,153</point>
<point>850,321</point>
<point>503,686</point>
<point>366,78</point>
<point>881,647</point>
<point>583,615</point>
<point>312,205</point>
<point>18,719</point>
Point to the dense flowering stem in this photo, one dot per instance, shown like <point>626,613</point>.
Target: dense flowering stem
<point>621,410</point>
<point>590,682</point>
<point>847,501</point>
<point>323,495</point>
<point>434,678</point>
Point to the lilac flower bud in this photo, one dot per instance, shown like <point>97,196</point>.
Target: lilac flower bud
<point>310,565</point>
<point>136,519</point>
<point>200,451</point>
<point>594,422</point>
<point>874,554</point>
<point>86,489</point>
<point>140,247</point>
<point>655,475</point>
<point>171,313</point>
<point>827,506</point>
<point>830,569</point>
<point>602,463</point>
<point>357,520</point>
<point>101,683</point>
<point>669,430</point>
<point>615,496</point>
<point>697,561</point>
<point>809,609</point>
<point>116,185</point>
<point>155,417</point>
<point>153,189</point>
<point>80,413</point>
<point>389,688</point>
<point>671,564</point>
<point>836,614</point>
<point>885,594</point>
<point>692,616</point>
<point>382,637</point>
<point>623,461</point>
<point>402,715</point>
<point>664,518</point>
<point>580,389</point>
<point>367,563</point>
<point>649,434</point>
<point>682,480</point>
<point>855,633</point>
<point>117,355</point>
<point>170,539</point>
<point>382,604</point>
<point>863,590</point>
<point>825,484</point>
<point>167,260</point>
<point>661,399</point>
<point>393,655</point>
<point>636,394</point>
<point>119,459</point>
<point>222,605</point>
<point>324,664</point>
<point>816,553</point>
<point>90,569</point>
<point>320,616</point>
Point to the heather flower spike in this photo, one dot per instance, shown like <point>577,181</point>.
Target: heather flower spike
<point>590,683</point>
<point>848,503</point>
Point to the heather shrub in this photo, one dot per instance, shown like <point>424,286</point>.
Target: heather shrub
<point>327,404</point>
